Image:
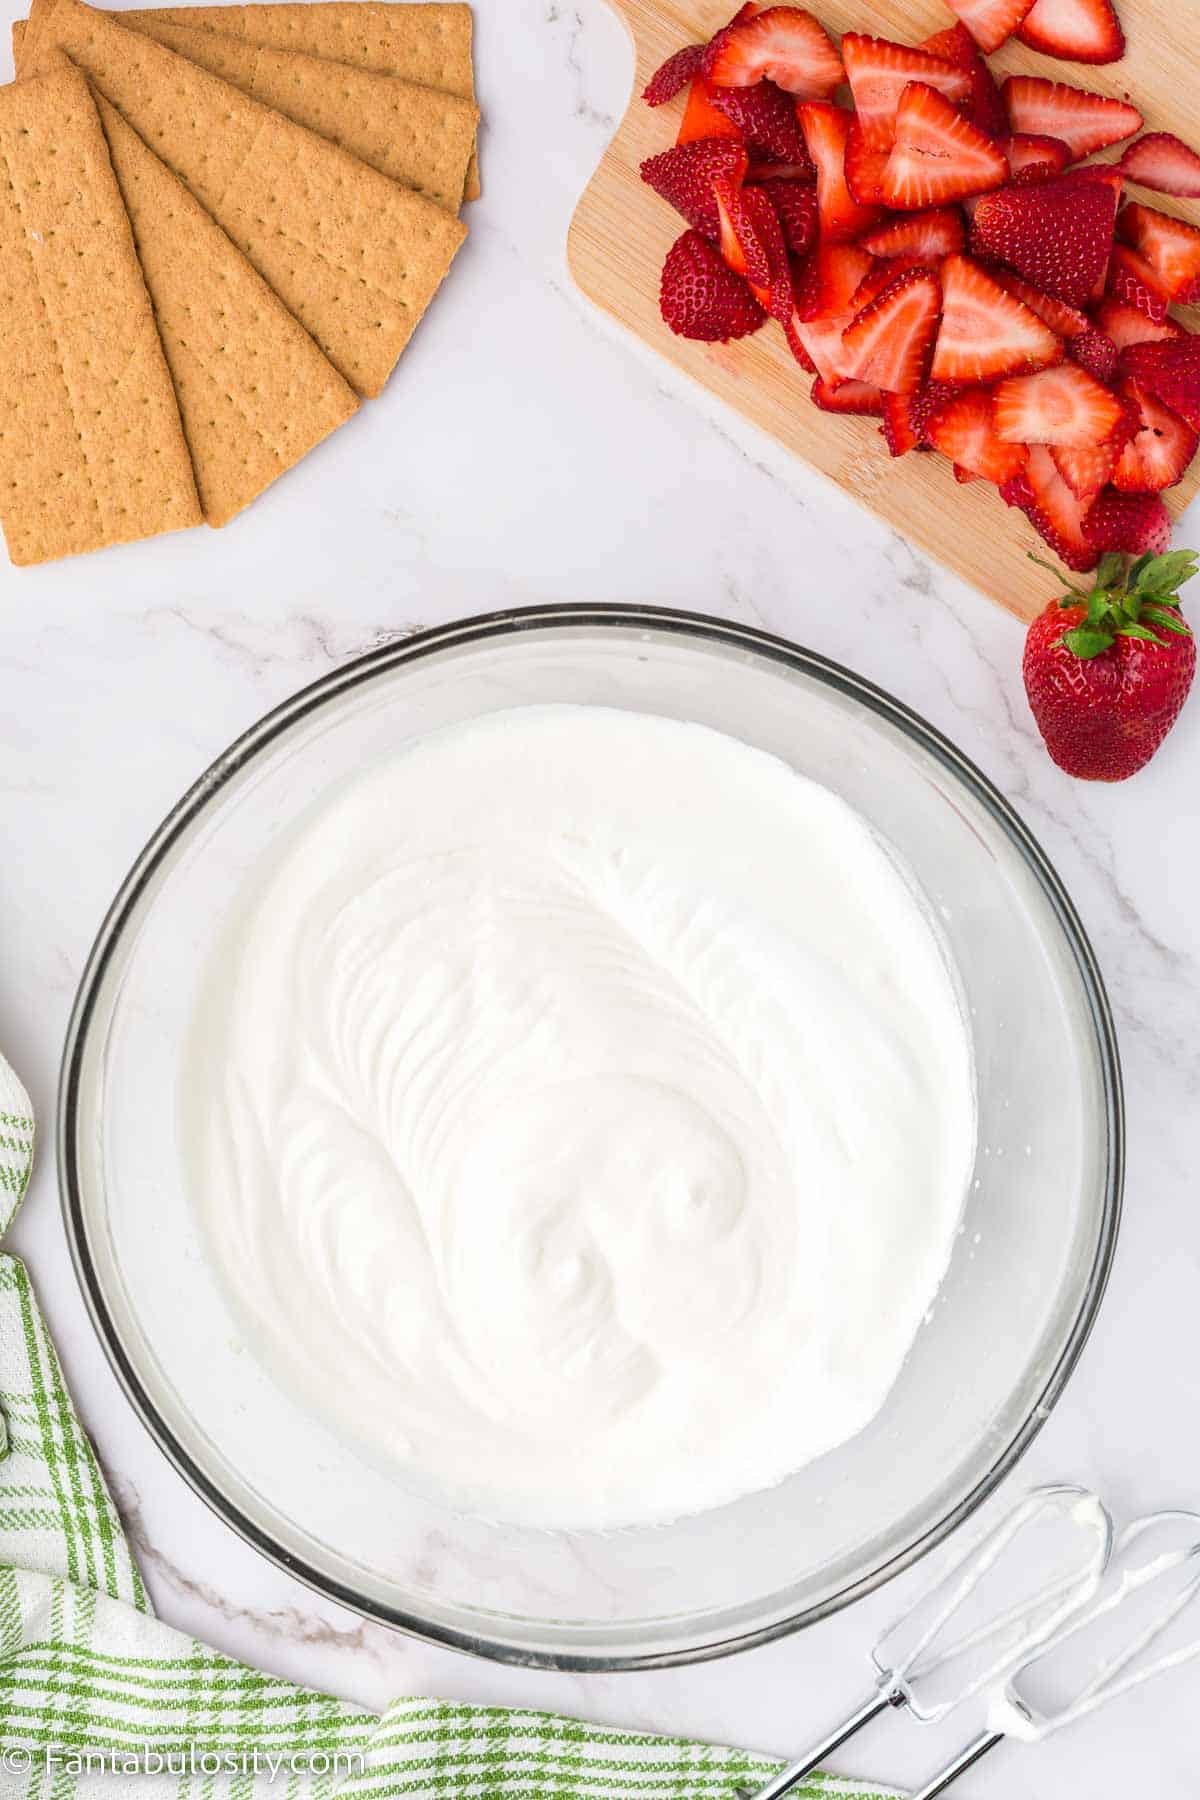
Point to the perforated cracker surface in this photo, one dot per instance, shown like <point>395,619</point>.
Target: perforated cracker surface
<point>352,255</point>
<point>255,393</point>
<point>91,447</point>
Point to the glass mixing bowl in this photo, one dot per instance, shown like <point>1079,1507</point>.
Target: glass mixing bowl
<point>1028,1270</point>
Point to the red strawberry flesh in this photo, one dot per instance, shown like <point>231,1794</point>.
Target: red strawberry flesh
<point>783,43</point>
<point>1084,121</point>
<point>1080,30</point>
<point>1165,163</point>
<point>938,155</point>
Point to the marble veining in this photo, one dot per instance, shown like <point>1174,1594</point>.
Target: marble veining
<point>527,451</point>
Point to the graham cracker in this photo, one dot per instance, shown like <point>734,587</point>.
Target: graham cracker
<point>92,451</point>
<point>420,136</point>
<point>353,256</point>
<point>427,44</point>
<point>255,394</point>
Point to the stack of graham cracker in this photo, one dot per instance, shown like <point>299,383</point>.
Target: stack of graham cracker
<point>219,226</point>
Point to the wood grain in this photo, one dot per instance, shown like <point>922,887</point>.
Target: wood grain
<point>621,232</point>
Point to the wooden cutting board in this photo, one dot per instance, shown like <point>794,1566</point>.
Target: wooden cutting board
<point>621,232</point>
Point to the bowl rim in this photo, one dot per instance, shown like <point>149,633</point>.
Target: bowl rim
<point>411,648</point>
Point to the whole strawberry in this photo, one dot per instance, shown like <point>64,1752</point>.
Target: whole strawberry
<point>1108,670</point>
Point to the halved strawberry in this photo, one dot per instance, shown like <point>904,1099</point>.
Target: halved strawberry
<point>1171,372</point>
<point>936,233</point>
<point>1135,281</point>
<point>795,206</point>
<point>1052,509</point>
<point>752,244</point>
<point>785,44</point>
<point>701,297</point>
<point>701,119</point>
<point>938,154</point>
<point>1159,451</point>
<point>888,343</point>
<point>674,75</point>
<point>985,108</point>
<point>826,128</point>
<point>906,416</point>
<point>1087,469</point>
<point>1078,30</point>
<point>1171,247</point>
<point>848,397</point>
<point>962,429</point>
<point>1095,351</point>
<point>1131,524</point>
<point>1057,233</point>
<point>864,168</point>
<point>826,281</point>
<point>879,70</point>
<point>984,331</point>
<point>1064,405</point>
<point>766,120</point>
<point>1026,151</point>
<point>990,22</point>
<point>1084,121</point>
<point>683,177</point>
<point>1066,320</point>
<point>1125,325</point>
<point>1165,163</point>
<point>821,340</point>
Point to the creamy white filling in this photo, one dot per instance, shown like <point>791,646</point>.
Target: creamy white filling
<point>582,1110</point>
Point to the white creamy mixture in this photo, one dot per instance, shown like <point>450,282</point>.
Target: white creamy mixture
<point>583,1111</point>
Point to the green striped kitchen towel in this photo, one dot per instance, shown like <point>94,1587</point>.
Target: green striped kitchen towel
<point>95,1692</point>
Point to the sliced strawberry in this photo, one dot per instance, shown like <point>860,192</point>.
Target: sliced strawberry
<point>961,428</point>
<point>1064,405</point>
<point>985,107</point>
<point>1171,247</point>
<point>864,168</point>
<point>1163,162</point>
<point>990,22</point>
<point>683,177</point>
<point>1066,320</point>
<point>674,75</point>
<point>1095,351</point>
<point>878,277</point>
<point>1131,524</point>
<point>752,244</point>
<point>1086,31</point>
<point>933,234</point>
<point>1135,281</point>
<point>701,119</point>
<point>783,43</point>
<point>963,475</point>
<point>879,70</point>
<point>1084,121</point>
<point>1125,325</point>
<point>1052,509</point>
<point>1169,371</point>
<point>821,340</point>
<point>984,331</point>
<point>826,281</point>
<point>766,121</point>
<point>1025,151</point>
<point>795,206</point>
<point>1086,470</point>
<point>701,297</point>
<point>1057,233</point>
<point>796,347</point>
<point>888,343</point>
<point>826,128</point>
<point>848,397</point>
<point>1159,451</point>
<point>906,416</point>
<point>938,154</point>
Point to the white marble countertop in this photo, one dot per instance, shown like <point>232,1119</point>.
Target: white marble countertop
<point>527,452</point>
